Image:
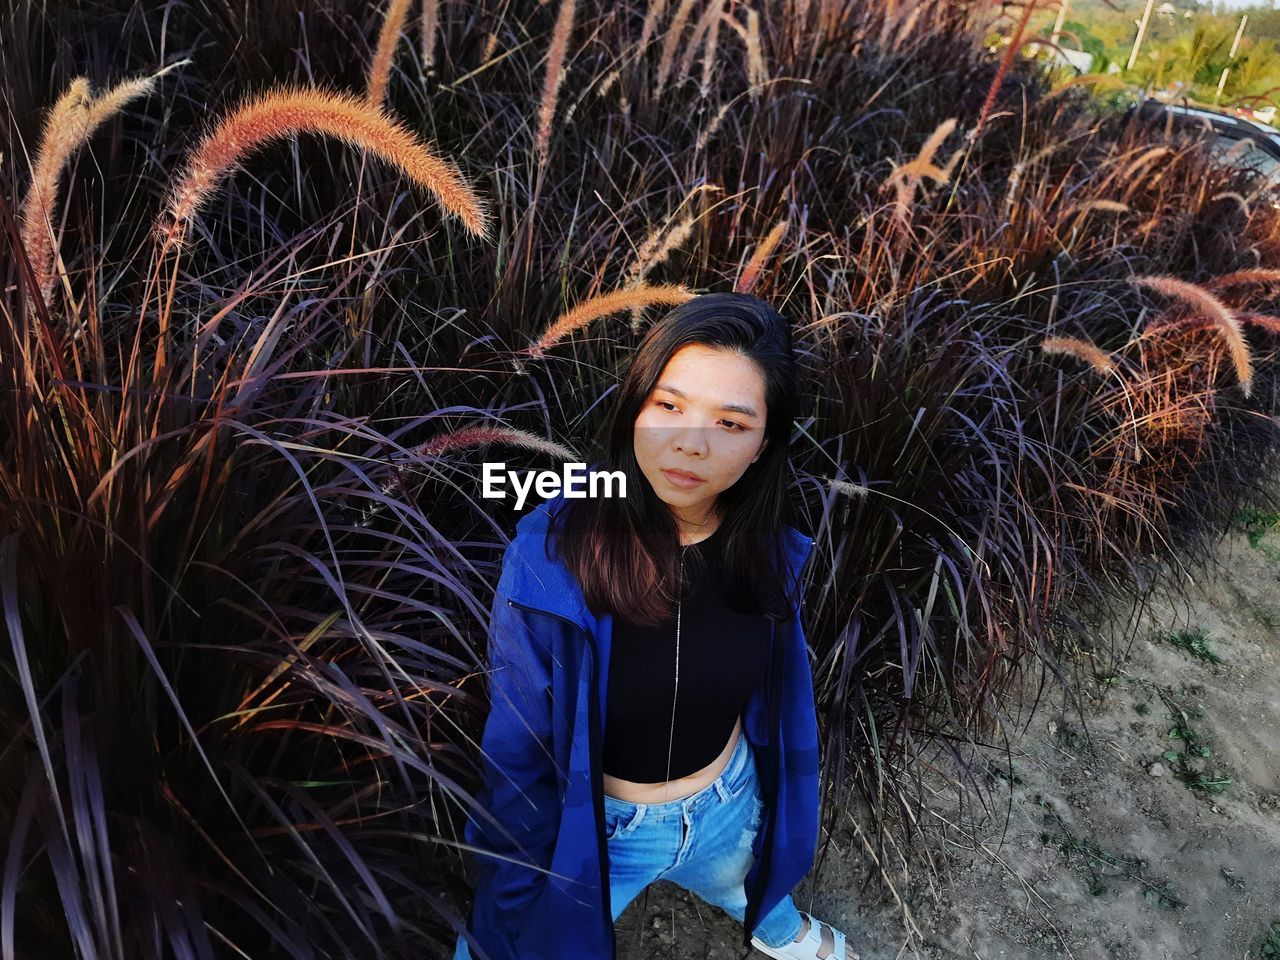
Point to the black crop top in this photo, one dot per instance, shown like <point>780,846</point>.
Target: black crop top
<point>724,655</point>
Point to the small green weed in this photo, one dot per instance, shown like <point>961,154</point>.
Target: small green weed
<point>1096,861</point>
<point>1256,524</point>
<point>1265,617</point>
<point>1012,778</point>
<point>1069,736</point>
<point>1195,642</point>
<point>1193,748</point>
<point>1270,946</point>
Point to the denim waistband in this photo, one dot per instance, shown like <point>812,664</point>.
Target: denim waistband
<point>718,789</point>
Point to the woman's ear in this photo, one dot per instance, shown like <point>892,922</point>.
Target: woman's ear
<point>761,450</point>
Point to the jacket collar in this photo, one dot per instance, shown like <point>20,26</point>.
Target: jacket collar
<point>545,583</point>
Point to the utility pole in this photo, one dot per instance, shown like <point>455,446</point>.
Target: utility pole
<point>1142,30</point>
<point>1222,80</point>
<point>1062,17</point>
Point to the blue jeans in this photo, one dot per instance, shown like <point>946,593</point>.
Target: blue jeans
<point>701,842</point>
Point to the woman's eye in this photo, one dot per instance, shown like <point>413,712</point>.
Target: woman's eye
<point>737,427</point>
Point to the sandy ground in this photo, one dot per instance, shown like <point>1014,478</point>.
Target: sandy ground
<point>1096,853</point>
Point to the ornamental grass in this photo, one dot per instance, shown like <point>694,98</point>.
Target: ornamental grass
<point>261,326</point>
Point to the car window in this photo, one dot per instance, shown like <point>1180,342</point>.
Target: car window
<point>1246,154</point>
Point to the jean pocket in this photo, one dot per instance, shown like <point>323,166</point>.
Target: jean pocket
<point>619,820</point>
<point>743,780</point>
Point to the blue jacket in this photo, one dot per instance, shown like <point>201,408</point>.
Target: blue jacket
<point>545,895</point>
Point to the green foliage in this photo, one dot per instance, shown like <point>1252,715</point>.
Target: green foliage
<point>1269,947</point>
<point>1101,865</point>
<point>1186,762</point>
<point>1194,641</point>
<point>1257,525</point>
<point>1191,51</point>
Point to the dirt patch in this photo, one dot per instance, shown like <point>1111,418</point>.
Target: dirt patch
<point>1118,841</point>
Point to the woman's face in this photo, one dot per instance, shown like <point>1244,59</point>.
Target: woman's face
<point>705,416</point>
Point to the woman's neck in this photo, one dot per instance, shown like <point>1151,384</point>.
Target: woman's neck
<point>691,533</point>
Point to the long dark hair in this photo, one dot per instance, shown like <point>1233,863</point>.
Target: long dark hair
<point>623,550</point>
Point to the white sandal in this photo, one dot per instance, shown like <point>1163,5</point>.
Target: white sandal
<point>807,947</point>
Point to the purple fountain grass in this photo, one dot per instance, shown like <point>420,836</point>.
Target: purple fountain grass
<point>1206,303</point>
<point>1015,44</point>
<point>554,76</point>
<point>1097,358</point>
<point>286,111</point>
<point>751,272</point>
<point>905,178</point>
<point>388,38</point>
<point>606,305</point>
<point>460,439</point>
<point>72,121</point>
<point>430,23</point>
<point>1238,278</point>
<point>670,43</point>
<point>271,551</point>
<point>480,434</point>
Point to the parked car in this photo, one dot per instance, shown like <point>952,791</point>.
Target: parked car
<point>1233,139</point>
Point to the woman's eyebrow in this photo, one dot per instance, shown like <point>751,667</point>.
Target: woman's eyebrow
<point>735,407</point>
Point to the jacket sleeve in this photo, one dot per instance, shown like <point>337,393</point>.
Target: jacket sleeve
<point>520,783</point>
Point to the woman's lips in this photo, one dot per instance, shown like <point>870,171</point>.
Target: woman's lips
<point>685,483</point>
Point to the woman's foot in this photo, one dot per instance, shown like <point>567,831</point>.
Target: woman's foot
<point>828,939</point>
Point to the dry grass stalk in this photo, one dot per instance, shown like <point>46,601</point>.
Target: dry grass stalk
<point>1207,304</point>
<point>651,18</point>
<point>652,253</point>
<point>670,43</point>
<point>108,104</point>
<point>696,41</point>
<point>1240,201</point>
<point>1263,320</point>
<point>1146,157</point>
<point>606,305</point>
<point>287,111</point>
<point>758,74</point>
<point>63,133</point>
<point>1131,177</point>
<point>1237,278</point>
<point>655,250</point>
<point>848,489</point>
<point>908,25</point>
<point>72,121</point>
<point>751,273</point>
<point>1090,353</point>
<point>1111,206</point>
<point>388,37</point>
<point>486,433</point>
<point>459,439</point>
<point>905,178</point>
<point>711,128</point>
<point>555,74</point>
<point>709,53</point>
<point>430,24</point>
<point>1015,45</point>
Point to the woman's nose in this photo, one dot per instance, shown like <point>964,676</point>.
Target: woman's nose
<point>692,441</point>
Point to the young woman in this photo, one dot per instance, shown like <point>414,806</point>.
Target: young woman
<point>652,707</point>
